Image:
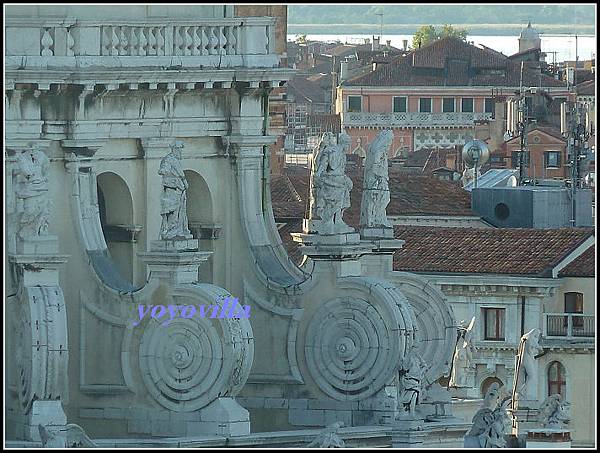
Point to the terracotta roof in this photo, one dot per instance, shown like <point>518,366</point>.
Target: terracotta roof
<point>587,88</point>
<point>286,202</point>
<point>582,266</point>
<point>292,247</point>
<point>325,122</point>
<point>410,194</point>
<point>311,88</point>
<point>511,251</point>
<point>450,61</point>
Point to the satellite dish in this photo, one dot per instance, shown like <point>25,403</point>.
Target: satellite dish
<point>475,153</point>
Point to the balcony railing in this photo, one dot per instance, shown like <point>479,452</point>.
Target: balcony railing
<point>213,42</point>
<point>412,119</point>
<point>570,325</point>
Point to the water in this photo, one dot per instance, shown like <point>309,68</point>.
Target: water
<point>563,45</point>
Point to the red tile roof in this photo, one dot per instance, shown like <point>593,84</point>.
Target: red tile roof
<point>582,266</point>
<point>510,251</point>
<point>286,202</point>
<point>450,61</point>
<point>410,194</point>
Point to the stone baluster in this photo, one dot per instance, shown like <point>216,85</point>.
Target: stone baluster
<point>213,40</point>
<point>152,41</point>
<point>231,41</point>
<point>222,41</point>
<point>47,43</point>
<point>205,42</point>
<point>197,41</point>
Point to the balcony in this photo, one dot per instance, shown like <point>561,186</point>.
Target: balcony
<point>568,325</point>
<point>413,119</point>
<point>35,43</point>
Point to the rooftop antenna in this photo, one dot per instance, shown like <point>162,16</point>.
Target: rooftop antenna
<point>381,29</point>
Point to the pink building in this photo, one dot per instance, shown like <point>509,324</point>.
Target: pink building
<point>433,96</point>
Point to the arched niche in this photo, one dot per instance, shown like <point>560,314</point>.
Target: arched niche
<point>201,219</point>
<point>116,218</point>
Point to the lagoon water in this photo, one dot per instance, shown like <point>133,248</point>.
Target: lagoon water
<point>563,45</point>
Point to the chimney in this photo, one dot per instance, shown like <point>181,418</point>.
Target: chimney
<point>388,43</point>
<point>405,44</point>
<point>375,45</point>
<point>343,71</point>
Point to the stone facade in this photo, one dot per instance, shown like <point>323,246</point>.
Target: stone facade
<point>324,340</point>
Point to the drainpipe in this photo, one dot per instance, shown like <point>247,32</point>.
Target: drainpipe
<point>522,315</point>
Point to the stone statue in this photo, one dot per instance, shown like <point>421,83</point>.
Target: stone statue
<point>492,395</point>
<point>411,374</point>
<point>376,191</point>
<point>526,366</point>
<point>174,199</point>
<point>463,357</point>
<point>328,139</point>
<point>489,427</point>
<point>33,168</point>
<point>70,436</point>
<point>468,176</point>
<point>332,186</point>
<point>328,438</point>
<point>553,412</point>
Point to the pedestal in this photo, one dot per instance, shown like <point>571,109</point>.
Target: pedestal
<point>548,438</point>
<point>174,260</point>
<point>408,433</point>
<point>377,232</point>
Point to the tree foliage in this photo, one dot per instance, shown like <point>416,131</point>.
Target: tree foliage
<point>428,33</point>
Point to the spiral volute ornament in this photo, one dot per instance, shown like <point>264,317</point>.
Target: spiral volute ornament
<point>190,362</point>
<point>353,346</point>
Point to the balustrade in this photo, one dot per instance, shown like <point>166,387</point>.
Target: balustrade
<point>569,325</point>
<point>411,119</point>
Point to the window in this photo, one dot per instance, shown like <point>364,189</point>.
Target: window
<point>574,304</point>
<point>557,385</point>
<point>399,104</point>
<point>493,319</point>
<point>552,159</point>
<point>354,103</point>
<point>425,105</point>
<point>488,105</point>
<point>467,105</point>
<point>448,105</point>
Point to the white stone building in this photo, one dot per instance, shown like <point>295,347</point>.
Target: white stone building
<point>511,281</point>
<point>96,98</point>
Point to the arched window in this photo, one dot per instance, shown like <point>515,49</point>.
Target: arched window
<point>485,385</point>
<point>557,383</point>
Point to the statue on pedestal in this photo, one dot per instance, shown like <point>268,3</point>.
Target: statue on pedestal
<point>33,166</point>
<point>174,198</point>
<point>411,374</point>
<point>553,412</point>
<point>463,357</point>
<point>327,139</point>
<point>376,191</point>
<point>489,427</point>
<point>331,185</point>
<point>526,366</point>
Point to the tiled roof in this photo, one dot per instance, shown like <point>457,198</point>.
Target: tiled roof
<point>410,195</point>
<point>511,251</point>
<point>448,62</point>
<point>325,122</point>
<point>582,266</point>
<point>587,88</point>
<point>292,247</point>
<point>286,202</point>
<point>310,88</point>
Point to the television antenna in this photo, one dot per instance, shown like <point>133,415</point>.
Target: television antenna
<point>381,29</point>
<point>475,153</point>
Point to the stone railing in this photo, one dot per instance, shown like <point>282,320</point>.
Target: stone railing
<point>412,119</point>
<point>221,42</point>
<point>568,325</point>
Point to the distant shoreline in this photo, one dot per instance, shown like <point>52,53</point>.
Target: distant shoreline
<point>403,29</point>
